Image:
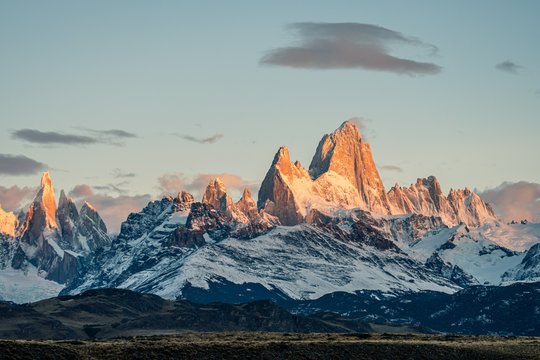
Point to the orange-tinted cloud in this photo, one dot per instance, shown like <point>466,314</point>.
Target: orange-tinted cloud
<point>515,201</point>
<point>172,184</point>
<point>112,209</point>
<point>15,198</point>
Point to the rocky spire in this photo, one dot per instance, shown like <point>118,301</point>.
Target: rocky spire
<point>67,217</point>
<point>46,201</point>
<point>426,198</point>
<point>247,205</point>
<point>276,195</point>
<point>345,153</point>
<point>214,192</point>
<point>89,213</point>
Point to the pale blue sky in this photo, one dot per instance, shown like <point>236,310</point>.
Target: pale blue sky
<point>192,68</point>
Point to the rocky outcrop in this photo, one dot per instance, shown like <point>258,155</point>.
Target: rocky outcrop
<point>426,198</point>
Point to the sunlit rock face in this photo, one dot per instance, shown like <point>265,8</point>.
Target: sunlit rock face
<point>426,198</point>
<point>8,222</point>
<point>345,153</point>
<point>343,175</point>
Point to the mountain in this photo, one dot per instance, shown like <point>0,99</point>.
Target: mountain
<point>426,198</point>
<point>487,310</point>
<point>106,313</point>
<point>312,233</point>
<point>49,248</point>
<point>343,175</point>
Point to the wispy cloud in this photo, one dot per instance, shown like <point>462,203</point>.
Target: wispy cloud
<point>113,132</point>
<point>112,136</point>
<point>19,165</point>
<point>15,198</point>
<point>392,168</point>
<point>515,201</point>
<point>509,67</point>
<point>51,137</point>
<point>172,184</point>
<point>208,140</point>
<point>119,174</point>
<point>347,46</point>
<point>117,188</point>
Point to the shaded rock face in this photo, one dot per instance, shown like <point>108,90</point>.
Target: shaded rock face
<point>528,269</point>
<point>451,272</point>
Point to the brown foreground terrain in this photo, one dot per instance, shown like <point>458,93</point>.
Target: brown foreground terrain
<point>260,345</point>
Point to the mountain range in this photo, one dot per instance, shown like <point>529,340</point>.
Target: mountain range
<point>331,228</point>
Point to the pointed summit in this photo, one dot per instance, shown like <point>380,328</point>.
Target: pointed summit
<point>246,203</point>
<point>46,202</point>
<point>345,153</point>
<point>214,192</point>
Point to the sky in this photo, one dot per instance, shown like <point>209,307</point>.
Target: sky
<point>126,101</point>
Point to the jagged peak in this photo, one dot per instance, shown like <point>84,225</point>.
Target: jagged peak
<point>348,128</point>
<point>88,206</point>
<point>46,180</point>
<point>246,195</point>
<point>214,192</point>
<point>45,199</point>
<point>185,197</point>
<point>62,200</point>
<point>282,156</point>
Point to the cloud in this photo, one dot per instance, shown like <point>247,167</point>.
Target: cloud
<point>34,136</point>
<point>172,184</point>
<point>347,46</point>
<point>81,190</point>
<point>15,198</point>
<point>114,133</point>
<point>112,187</point>
<point>515,201</point>
<point>361,123</point>
<point>19,165</point>
<point>209,140</point>
<point>119,174</point>
<point>113,210</point>
<point>392,168</point>
<point>51,137</point>
<point>508,66</point>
